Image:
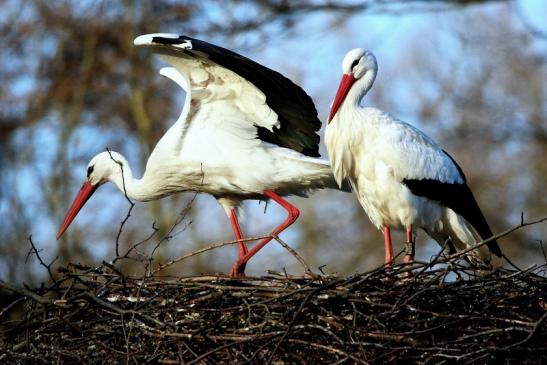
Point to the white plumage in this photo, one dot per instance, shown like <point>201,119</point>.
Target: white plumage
<point>402,178</point>
<point>246,132</point>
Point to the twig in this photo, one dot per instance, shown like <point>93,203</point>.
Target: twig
<point>532,333</point>
<point>131,204</point>
<point>328,348</point>
<point>210,352</point>
<point>7,308</point>
<point>205,249</point>
<point>295,316</point>
<point>494,237</point>
<point>37,253</point>
<point>298,257</point>
<point>28,293</point>
<point>182,215</point>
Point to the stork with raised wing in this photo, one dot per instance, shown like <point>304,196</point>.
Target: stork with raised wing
<point>401,177</point>
<point>245,132</point>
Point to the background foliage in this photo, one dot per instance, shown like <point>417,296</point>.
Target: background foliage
<point>472,74</point>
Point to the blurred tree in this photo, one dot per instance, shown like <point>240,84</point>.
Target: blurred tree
<point>73,84</point>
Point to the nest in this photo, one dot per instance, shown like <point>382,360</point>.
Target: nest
<point>441,314</point>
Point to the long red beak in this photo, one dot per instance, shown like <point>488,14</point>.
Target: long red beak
<point>345,84</point>
<point>81,198</point>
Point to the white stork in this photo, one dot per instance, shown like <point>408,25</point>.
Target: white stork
<point>402,178</point>
<point>245,132</point>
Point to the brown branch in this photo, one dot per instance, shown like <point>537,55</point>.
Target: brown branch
<point>493,238</point>
<point>37,254</point>
<point>329,349</point>
<point>532,333</point>
<point>295,316</point>
<point>307,269</point>
<point>28,293</point>
<point>205,249</point>
<point>131,204</point>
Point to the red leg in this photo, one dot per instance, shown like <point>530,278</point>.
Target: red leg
<point>237,232</point>
<point>410,249</point>
<point>388,260</point>
<point>239,236</point>
<point>293,214</point>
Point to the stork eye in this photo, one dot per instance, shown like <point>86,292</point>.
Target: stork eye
<point>90,170</point>
<point>355,63</point>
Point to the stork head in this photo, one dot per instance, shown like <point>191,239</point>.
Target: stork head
<point>356,64</point>
<point>104,167</point>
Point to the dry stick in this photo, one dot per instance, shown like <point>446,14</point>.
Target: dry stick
<point>118,272</point>
<point>543,249</point>
<point>328,348</point>
<point>531,334</point>
<point>130,203</point>
<point>135,310</point>
<point>181,361</point>
<point>298,257</point>
<point>7,308</point>
<point>121,227</point>
<point>225,243</point>
<point>192,336</point>
<point>477,245</point>
<point>136,245</point>
<point>300,308</point>
<point>182,215</point>
<point>122,311</point>
<point>180,218</point>
<point>210,352</point>
<point>208,248</point>
<point>432,262</point>
<point>168,235</point>
<point>489,332</point>
<point>27,293</point>
<point>412,284</point>
<point>494,237</point>
<point>37,253</point>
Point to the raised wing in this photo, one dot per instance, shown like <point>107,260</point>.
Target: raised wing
<point>282,113</point>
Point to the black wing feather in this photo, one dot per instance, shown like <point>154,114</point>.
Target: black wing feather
<point>295,109</point>
<point>457,197</point>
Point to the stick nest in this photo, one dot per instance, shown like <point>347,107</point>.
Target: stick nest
<point>99,315</point>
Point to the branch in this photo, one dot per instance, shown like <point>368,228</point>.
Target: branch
<point>533,332</point>
<point>307,269</point>
<point>197,252</point>
<point>493,238</point>
<point>37,253</point>
<point>131,204</point>
<point>30,294</point>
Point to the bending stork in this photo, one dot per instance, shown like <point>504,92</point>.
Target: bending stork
<point>245,132</point>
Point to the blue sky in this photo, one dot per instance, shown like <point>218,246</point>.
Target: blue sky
<point>312,59</point>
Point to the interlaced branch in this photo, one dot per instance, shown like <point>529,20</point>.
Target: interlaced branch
<point>106,316</point>
<point>444,313</point>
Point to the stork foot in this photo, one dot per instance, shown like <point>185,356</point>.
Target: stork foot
<point>238,269</point>
<point>408,259</point>
<point>389,279</point>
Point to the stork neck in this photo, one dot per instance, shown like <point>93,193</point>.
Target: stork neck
<point>157,182</point>
<point>126,182</point>
<point>137,189</point>
<point>360,89</point>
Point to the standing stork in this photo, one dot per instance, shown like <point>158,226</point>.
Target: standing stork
<point>245,132</point>
<point>402,178</point>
